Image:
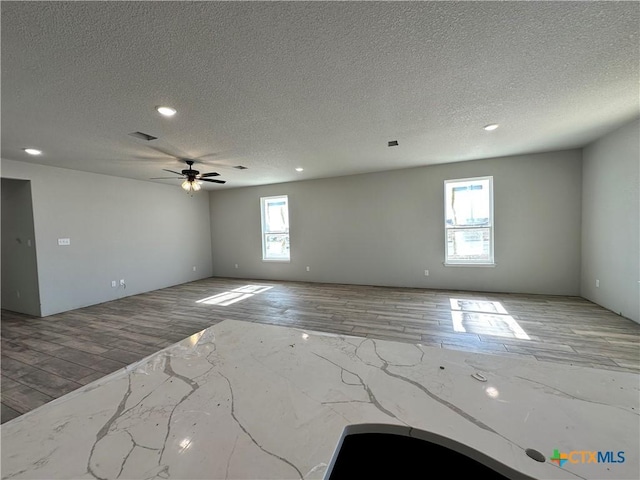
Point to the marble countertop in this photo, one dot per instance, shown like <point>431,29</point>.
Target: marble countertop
<point>250,401</point>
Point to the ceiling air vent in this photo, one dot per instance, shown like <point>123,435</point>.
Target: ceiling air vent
<point>392,143</point>
<point>240,167</point>
<point>143,136</point>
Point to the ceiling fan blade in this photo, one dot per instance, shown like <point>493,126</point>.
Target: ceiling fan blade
<point>211,180</point>
<point>171,171</point>
<point>210,174</point>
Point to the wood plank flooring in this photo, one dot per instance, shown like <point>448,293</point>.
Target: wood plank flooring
<point>44,358</point>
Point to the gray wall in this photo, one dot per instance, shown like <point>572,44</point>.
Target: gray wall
<point>149,234</point>
<point>19,266</point>
<point>611,221</point>
<point>387,228</point>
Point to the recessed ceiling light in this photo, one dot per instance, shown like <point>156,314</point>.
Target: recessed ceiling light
<point>33,151</point>
<point>491,127</point>
<point>166,111</point>
<point>299,169</point>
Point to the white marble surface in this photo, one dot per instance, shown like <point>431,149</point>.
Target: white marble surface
<point>243,400</point>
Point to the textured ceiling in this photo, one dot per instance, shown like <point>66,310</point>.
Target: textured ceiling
<point>323,86</point>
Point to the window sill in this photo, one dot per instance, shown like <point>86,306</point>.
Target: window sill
<point>490,265</point>
<point>275,260</point>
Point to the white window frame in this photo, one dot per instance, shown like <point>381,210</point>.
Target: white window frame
<point>491,226</point>
<point>263,202</point>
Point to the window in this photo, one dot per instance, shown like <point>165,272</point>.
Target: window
<point>468,221</point>
<point>275,228</point>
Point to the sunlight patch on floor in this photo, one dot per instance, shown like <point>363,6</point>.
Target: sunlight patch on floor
<point>236,295</point>
<point>484,317</point>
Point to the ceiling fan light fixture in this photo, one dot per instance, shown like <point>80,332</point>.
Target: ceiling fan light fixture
<point>191,185</point>
<point>166,111</point>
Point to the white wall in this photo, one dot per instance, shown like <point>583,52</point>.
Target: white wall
<point>149,234</point>
<point>611,221</point>
<point>387,228</point>
<point>20,291</point>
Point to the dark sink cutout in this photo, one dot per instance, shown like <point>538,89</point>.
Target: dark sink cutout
<point>390,452</point>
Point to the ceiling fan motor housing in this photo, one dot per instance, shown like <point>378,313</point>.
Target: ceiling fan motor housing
<point>190,173</point>
<point>194,176</point>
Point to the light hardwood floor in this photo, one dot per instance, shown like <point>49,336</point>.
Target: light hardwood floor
<point>44,358</point>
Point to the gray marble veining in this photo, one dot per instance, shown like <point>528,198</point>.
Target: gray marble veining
<point>244,400</point>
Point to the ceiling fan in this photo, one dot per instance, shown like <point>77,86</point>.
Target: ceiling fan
<point>192,178</point>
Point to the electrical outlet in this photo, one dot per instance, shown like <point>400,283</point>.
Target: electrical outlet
<point>236,265</point>
<point>114,284</point>
<point>597,283</point>
<point>426,273</point>
<point>194,268</point>
<point>308,269</point>
<point>18,293</point>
